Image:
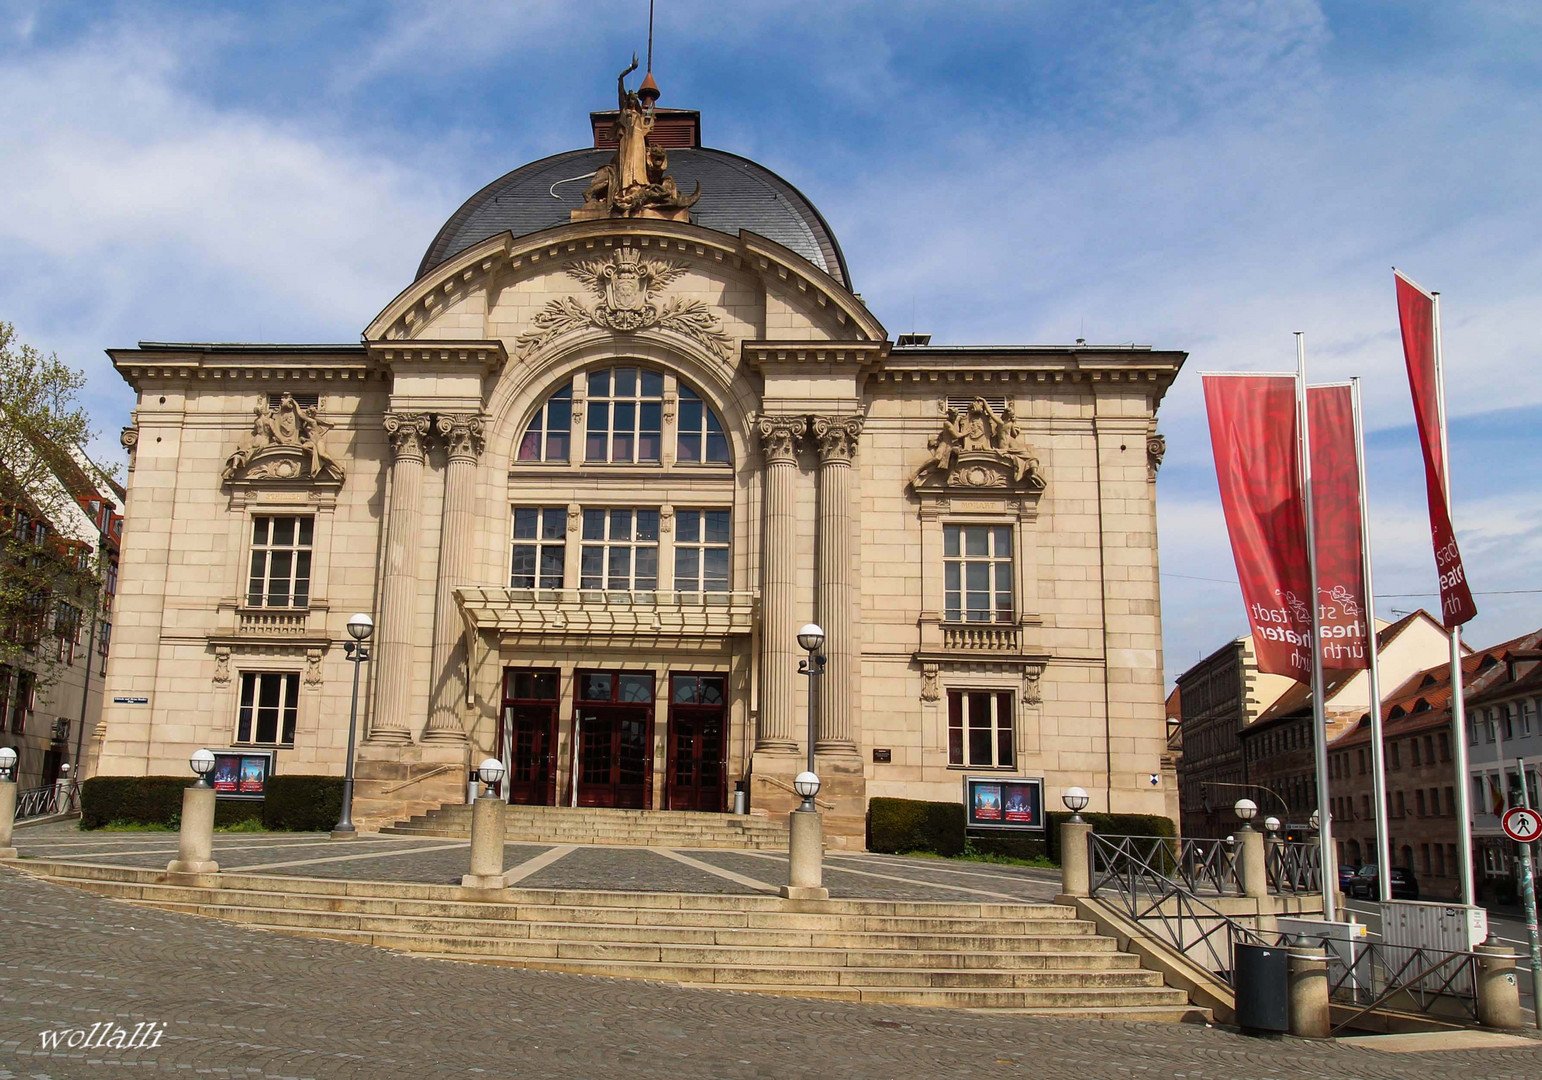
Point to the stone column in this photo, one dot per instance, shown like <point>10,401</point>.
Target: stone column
<point>393,650</point>
<point>779,652</point>
<point>457,552</point>
<point>837,439</point>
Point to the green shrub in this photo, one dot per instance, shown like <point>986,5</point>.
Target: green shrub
<point>303,803</point>
<point>132,800</point>
<point>900,825</point>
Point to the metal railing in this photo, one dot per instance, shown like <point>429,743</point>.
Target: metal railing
<point>1293,867</point>
<point>43,801</point>
<point>1368,975</point>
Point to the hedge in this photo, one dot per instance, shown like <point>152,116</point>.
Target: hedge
<point>296,803</point>
<point>902,825</point>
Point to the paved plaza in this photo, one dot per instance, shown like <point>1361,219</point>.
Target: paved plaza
<point>245,1003</point>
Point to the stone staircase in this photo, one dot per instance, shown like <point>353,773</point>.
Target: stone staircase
<point>1021,958</point>
<point>627,828</point>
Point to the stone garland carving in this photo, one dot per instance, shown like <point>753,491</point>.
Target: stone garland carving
<point>464,435</point>
<point>285,443</point>
<point>313,668</point>
<point>837,437</point>
<point>222,666</point>
<point>931,687</point>
<point>625,288</point>
<point>1156,450</point>
<point>575,517</point>
<point>407,432</point>
<point>1032,695</point>
<point>666,518</point>
<point>780,436</point>
<point>979,449</point>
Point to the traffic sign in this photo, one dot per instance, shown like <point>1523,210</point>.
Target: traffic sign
<point>1522,825</point>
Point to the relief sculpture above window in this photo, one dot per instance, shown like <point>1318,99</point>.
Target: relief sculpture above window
<point>980,449</point>
<point>287,442</point>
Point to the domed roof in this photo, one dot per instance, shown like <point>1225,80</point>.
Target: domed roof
<point>736,194</point>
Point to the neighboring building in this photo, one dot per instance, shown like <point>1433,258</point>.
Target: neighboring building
<point>593,468</point>
<point>52,700</point>
<point>1219,697</point>
<point>1172,763</point>
<point>1278,749</point>
<point>1504,724</point>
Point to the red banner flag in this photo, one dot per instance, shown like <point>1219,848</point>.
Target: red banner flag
<point>1257,462</point>
<point>1416,313</point>
<point>1336,521</point>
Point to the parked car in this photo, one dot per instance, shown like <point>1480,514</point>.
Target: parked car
<point>1363,885</point>
<point>1346,875</point>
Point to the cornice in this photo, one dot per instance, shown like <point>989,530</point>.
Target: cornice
<point>866,354</point>
<point>244,363</point>
<point>491,355</point>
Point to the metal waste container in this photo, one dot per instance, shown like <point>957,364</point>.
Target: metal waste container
<point>1261,978</point>
<point>741,798</point>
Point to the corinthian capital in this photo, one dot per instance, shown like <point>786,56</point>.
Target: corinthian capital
<point>463,435</point>
<point>779,437</point>
<point>406,432</point>
<point>837,437</point>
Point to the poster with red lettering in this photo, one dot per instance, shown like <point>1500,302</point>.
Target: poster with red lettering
<point>1416,314</point>
<point>1336,521</point>
<point>1257,462</point>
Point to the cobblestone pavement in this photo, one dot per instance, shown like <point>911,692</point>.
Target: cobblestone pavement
<point>241,1003</point>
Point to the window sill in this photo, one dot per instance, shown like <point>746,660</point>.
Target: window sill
<point>983,768</point>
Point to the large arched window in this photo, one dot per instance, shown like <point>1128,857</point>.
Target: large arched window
<point>626,421</point>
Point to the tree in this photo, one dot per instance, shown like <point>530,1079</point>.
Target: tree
<point>49,546</point>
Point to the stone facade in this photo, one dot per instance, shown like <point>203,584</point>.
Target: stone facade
<point>839,499</point>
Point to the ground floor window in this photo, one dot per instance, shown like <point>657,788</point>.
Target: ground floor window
<point>980,729</point>
<point>270,706</point>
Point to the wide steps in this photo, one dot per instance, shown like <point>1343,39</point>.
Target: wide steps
<point>578,825</point>
<point>994,957</point>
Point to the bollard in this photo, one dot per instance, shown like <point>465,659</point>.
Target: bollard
<point>1250,861</point>
<point>487,832</point>
<point>7,817</point>
<point>1075,860</point>
<point>805,857</point>
<point>1499,992</point>
<point>1310,1017</point>
<point>195,840</point>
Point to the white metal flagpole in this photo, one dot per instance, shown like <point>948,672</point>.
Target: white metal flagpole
<point>1378,746</point>
<point>1330,877</point>
<point>1458,690</point>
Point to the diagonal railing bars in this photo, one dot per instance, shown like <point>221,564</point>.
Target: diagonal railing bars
<point>43,801</point>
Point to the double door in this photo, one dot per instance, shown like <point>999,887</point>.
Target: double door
<point>698,743</point>
<point>530,702</point>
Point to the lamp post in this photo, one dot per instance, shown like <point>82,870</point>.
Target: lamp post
<point>7,800</point>
<point>1252,859</point>
<point>1075,800</point>
<point>487,831</point>
<point>361,627</point>
<point>805,832</point>
<point>1075,845</point>
<point>195,839</point>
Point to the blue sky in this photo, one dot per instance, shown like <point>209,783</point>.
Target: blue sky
<point>1202,176</point>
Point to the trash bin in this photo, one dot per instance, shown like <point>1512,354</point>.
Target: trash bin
<point>741,798</point>
<point>1261,978</point>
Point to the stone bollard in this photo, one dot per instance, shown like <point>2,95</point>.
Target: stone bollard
<point>487,833</point>
<point>7,817</point>
<point>805,857</point>
<point>1075,860</point>
<point>1307,970</point>
<point>1250,861</point>
<point>1499,992</point>
<point>195,842</point>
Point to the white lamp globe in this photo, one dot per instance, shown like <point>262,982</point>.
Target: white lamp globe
<point>1075,799</point>
<point>1315,821</point>
<point>1272,824</point>
<point>1246,809</point>
<point>806,784</point>
<point>491,770</point>
<point>7,762</point>
<point>811,637</point>
<point>202,762</point>
<point>360,627</point>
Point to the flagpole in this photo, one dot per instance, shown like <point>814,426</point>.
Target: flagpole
<point>1458,690</point>
<point>1378,745</point>
<point>1330,877</point>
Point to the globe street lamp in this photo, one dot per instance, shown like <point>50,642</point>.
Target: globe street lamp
<point>361,627</point>
<point>1271,824</point>
<point>806,784</point>
<point>811,639</point>
<point>1075,800</point>
<point>202,762</point>
<point>7,764</point>
<point>7,800</point>
<point>1246,810</point>
<point>805,832</point>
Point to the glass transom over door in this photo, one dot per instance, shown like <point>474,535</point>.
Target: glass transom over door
<point>613,719</point>
<point>698,743</point>
<point>530,728</point>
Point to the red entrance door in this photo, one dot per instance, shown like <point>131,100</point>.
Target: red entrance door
<point>530,728</point>
<point>613,717</point>
<point>698,746</point>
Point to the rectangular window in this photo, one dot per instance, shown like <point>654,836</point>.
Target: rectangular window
<point>1419,802</point>
<point>701,550</point>
<point>1396,764</point>
<point>270,704</point>
<point>1424,855</point>
<point>620,550</point>
<point>281,562</point>
<point>1525,718</point>
<point>1402,810</point>
<point>540,536</point>
<point>980,729</point>
<point>1450,800</point>
<point>977,570</point>
<point>624,416</point>
<point>1445,747</point>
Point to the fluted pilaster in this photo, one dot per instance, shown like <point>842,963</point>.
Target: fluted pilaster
<point>463,438</point>
<point>836,437</point>
<point>393,651</point>
<point>779,653</point>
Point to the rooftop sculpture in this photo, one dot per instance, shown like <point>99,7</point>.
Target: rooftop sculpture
<point>635,182</point>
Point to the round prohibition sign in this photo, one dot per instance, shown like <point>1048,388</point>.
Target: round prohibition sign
<point>1522,825</point>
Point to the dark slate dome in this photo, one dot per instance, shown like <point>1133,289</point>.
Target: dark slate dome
<point>736,194</point>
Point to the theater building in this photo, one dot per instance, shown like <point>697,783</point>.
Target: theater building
<point>592,469</point>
